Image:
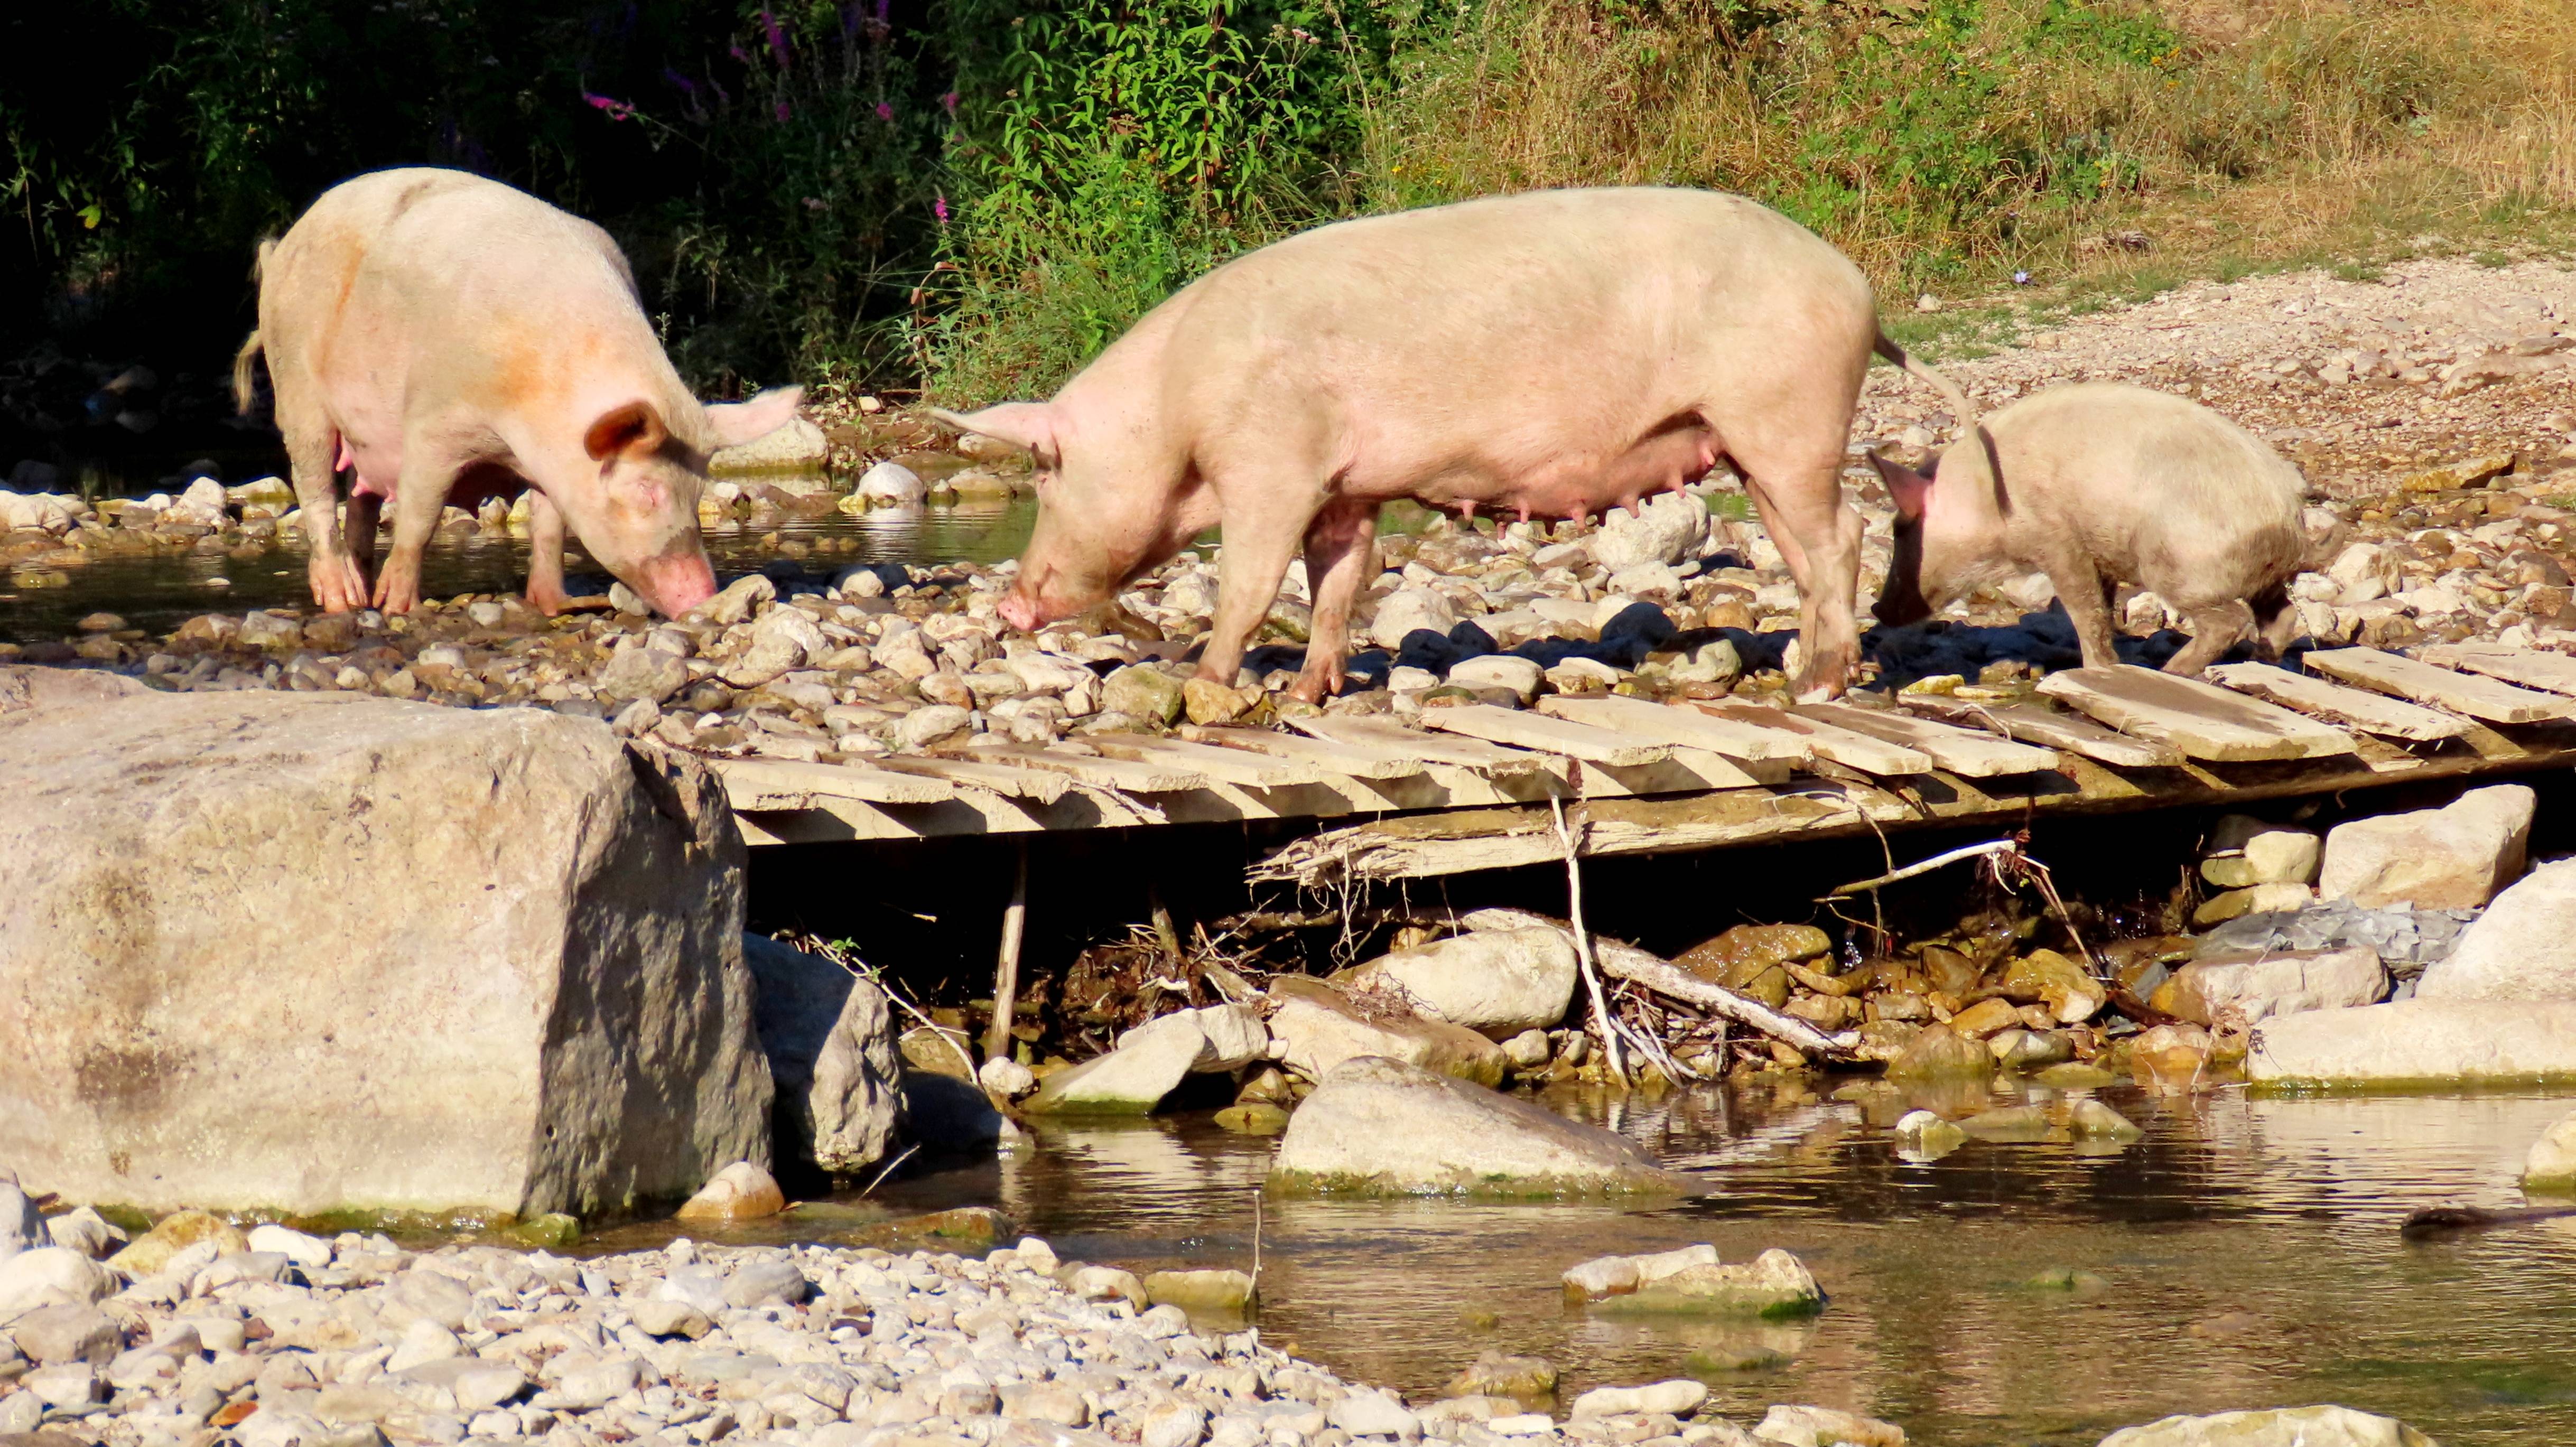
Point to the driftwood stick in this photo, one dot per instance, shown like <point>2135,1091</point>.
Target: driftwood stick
<point>1006,968</point>
<point>1627,962</point>
<point>1601,1017</point>
<point>1973,851</point>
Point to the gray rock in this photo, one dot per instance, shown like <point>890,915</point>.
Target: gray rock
<point>797,446</point>
<point>2319,1426</point>
<point>767,1283</point>
<point>22,1226</point>
<point>1130,1080</point>
<point>1382,1127</point>
<point>605,1052</point>
<point>2257,986</point>
<point>2551,1164</point>
<point>1408,610</point>
<point>830,1038</point>
<point>2455,857</point>
<point>1805,1426</point>
<point>2522,948</point>
<point>2418,1041</point>
<point>891,484</point>
<point>635,671</point>
<point>1666,529</point>
<point>1676,1398</point>
<point>52,1276</point>
<point>466,1384</point>
<point>53,1335</point>
<point>1318,1027</point>
<point>784,638</point>
<point>1496,982</point>
<point>671,1318</point>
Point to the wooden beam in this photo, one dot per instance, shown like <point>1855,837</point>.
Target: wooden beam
<point>2482,698</point>
<point>1545,734</point>
<point>2200,720</point>
<point>764,784</point>
<point>2374,713</point>
<point>1333,756</point>
<point>1472,752</point>
<point>1234,766</point>
<point>2071,733</point>
<point>1004,779</point>
<point>2530,667</point>
<point>1682,727</point>
<point>1968,753</point>
<point>1125,775</point>
<point>1865,752</point>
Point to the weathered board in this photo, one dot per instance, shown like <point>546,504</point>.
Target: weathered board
<point>2530,667</point>
<point>2067,731</point>
<point>2482,698</point>
<point>1386,733</point>
<point>1964,752</point>
<point>1682,727</point>
<point>2375,713</point>
<point>1545,734</point>
<point>1838,745</point>
<point>2199,720</point>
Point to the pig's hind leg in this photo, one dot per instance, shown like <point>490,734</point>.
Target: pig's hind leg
<point>545,555</point>
<point>313,448</point>
<point>1341,554</point>
<point>2214,630</point>
<point>418,497</point>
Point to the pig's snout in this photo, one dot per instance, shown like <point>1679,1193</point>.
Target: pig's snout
<point>1020,611</point>
<point>674,585</point>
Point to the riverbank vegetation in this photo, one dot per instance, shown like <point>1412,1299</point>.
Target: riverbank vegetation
<point>972,196</point>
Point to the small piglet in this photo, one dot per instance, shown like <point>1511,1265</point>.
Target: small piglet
<point>2102,483</point>
<point>437,335</point>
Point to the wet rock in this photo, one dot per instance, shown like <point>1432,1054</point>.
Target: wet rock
<point>1497,982</point>
<point>947,1115</point>
<point>1924,1136</point>
<point>1667,529</point>
<point>2240,988</point>
<point>830,1039</point>
<point>2074,1076</point>
<point>1210,1290</point>
<point>1493,1374</point>
<point>740,1192</point>
<point>2047,977</point>
<point>2319,1426</point>
<point>1256,1117</point>
<point>2016,1124</point>
<point>1382,1127</point>
<point>1941,1053</point>
<point>2171,1059</point>
<point>1801,1426</point>
<point>2551,1164</point>
<point>1130,1080</point>
<point>593,896</point>
<point>173,1234</point>
<point>1675,1398</point>
<point>795,446</point>
<point>2029,1049</point>
<point>2522,948</point>
<point>1006,1078</point>
<point>2455,857</point>
<point>2258,899</point>
<point>1319,1027</point>
<point>1985,1018</point>
<point>1773,1285</point>
<point>2418,1041</point>
<point>1609,1276</point>
<point>1145,691</point>
<point>2092,1118</point>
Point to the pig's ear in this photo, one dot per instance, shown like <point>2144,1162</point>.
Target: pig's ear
<point>1021,424</point>
<point>619,431</point>
<point>736,423</point>
<point>1911,490</point>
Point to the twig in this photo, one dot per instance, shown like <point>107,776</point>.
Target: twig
<point>879,1178</point>
<point>1611,1053</point>
<point>1973,851</point>
<point>1623,961</point>
<point>1006,967</point>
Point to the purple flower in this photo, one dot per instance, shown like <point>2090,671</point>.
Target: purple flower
<point>885,110</point>
<point>777,37</point>
<point>687,86</point>
<point>882,7</point>
<point>939,207</point>
<point>618,110</point>
<point>782,111</point>
<point>738,54</point>
<point>948,102</point>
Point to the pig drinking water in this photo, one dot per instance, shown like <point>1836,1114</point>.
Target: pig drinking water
<point>438,334</point>
<point>2096,484</point>
<point>1550,353</point>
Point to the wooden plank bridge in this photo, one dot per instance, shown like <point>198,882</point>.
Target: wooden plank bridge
<point>1468,787</point>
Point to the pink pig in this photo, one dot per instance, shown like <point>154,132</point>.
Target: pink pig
<point>1547,354</point>
<point>444,336</point>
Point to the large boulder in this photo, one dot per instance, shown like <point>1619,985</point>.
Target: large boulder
<point>2251,987</point>
<point>1382,1127</point>
<point>2321,1426</point>
<point>313,952</point>
<point>2454,857</point>
<point>830,1038</point>
<point>797,446</point>
<point>1319,1027</point>
<point>2417,1041</point>
<point>1130,1080</point>
<point>1496,982</point>
<point>2522,948</point>
<point>2551,1165</point>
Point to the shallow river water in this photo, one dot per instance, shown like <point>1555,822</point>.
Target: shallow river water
<point>2247,1253</point>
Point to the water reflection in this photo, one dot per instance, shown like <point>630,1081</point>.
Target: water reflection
<point>2244,1254</point>
<point>157,591</point>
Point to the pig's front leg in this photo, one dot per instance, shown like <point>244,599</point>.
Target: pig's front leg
<point>2079,588</point>
<point>1248,574</point>
<point>1341,553</point>
<point>545,555</point>
<point>418,497</point>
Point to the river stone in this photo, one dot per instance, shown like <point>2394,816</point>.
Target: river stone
<point>2522,948</point>
<point>174,1233</point>
<point>2454,857</point>
<point>52,1276</point>
<point>1252,1117</point>
<point>658,1318</point>
<point>1804,1426</point>
<point>638,671</point>
<point>740,1192</point>
<point>830,1038</point>
<point>1737,958</point>
<point>2551,1165</point>
<point>1676,1398</point>
<point>796,445</point>
<point>2171,1059</point>
<point>1319,1027</point>
<point>1667,529</point>
<point>2091,1117</point>
<point>1209,1290</point>
<point>70,1332</point>
<point>1409,610</point>
<point>1924,1136</point>
<point>1493,1374</point>
<point>2319,1426</point>
<point>2418,1041</point>
<point>1940,1053</point>
<point>1496,982</point>
<point>1130,1080</point>
<point>2255,986</point>
<point>891,484</point>
<point>87,1232</point>
<point>1145,691</point>
<point>22,1226</point>
<point>1499,670</point>
<point>784,638</point>
<point>492,956</point>
<point>1774,1284</point>
<point>2047,977</point>
<point>1383,1127</point>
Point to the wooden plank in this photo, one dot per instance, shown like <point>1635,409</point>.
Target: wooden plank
<point>1098,772</point>
<point>1682,727</point>
<point>2201,720</point>
<point>1548,735</point>
<point>1334,756</point>
<point>1385,733</point>
<point>1003,779</point>
<point>2466,693</point>
<point>1865,752</point>
<point>2530,667</point>
<point>1232,766</point>
<point>2071,733</point>
<point>1965,752</point>
<point>2373,713</point>
<point>785,784</point>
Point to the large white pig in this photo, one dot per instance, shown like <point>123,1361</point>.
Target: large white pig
<point>1551,353</point>
<point>439,336</point>
<point>2102,483</point>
